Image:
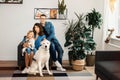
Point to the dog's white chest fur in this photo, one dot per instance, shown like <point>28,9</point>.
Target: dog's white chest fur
<point>42,55</point>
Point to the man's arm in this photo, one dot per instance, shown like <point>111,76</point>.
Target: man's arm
<point>52,32</point>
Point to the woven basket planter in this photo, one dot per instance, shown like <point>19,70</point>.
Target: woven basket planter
<point>78,65</point>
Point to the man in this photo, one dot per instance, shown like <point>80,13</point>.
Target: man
<point>55,45</point>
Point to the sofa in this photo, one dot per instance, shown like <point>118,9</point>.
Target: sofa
<point>107,65</point>
<point>21,59</point>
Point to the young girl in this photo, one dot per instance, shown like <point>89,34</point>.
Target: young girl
<point>28,49</point>
<point>30,41</point>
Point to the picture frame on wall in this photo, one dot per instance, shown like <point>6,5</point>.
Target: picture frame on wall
<point>51,13</point>
<point>11,1</point>
<point>39,11</point>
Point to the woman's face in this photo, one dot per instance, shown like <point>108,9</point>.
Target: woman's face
<point>37,29</point>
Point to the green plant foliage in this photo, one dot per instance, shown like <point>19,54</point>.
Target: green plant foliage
<point>61,7</point>
<point>78,38</point>
<point>94,20</point>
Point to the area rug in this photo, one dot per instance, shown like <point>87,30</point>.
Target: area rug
<point>57,75</point>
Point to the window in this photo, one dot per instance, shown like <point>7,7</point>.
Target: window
<point>112,16</point>
<point>119,20</point>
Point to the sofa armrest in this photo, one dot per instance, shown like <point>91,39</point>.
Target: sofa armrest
<point>107,55</point>
<point>19,53</point>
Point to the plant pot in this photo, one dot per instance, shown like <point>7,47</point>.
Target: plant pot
<point>78,65</point>
<point>90,60</point>
<point>61,16</point>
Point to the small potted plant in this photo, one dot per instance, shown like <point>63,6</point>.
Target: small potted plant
<point>78,40</point>
<point>94,20</point>
<point>61,9</point>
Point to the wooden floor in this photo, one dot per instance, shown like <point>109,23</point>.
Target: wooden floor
<point>8,63</point>
<point>14,64</point>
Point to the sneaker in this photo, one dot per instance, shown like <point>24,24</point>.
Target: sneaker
<point>26,70</point>
<point>58,64</point>
<point>61,69</point>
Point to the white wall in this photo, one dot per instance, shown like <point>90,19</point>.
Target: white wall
<point>17,19</point>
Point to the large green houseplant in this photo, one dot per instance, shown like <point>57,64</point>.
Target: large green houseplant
<point>61,8</point>
<point>78,38</point>
<point>94,20</point>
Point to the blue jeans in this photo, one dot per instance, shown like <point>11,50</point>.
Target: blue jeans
<point>55,48</point>
<point>29,50</point>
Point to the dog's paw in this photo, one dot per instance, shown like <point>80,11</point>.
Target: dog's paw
<point>34,73</point>
<point>41,75</point>
<point>37,71</point>
<point>50,73</point>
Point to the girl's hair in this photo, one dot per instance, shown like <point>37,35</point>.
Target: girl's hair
<point>40,28</point>
<point>29,33</point>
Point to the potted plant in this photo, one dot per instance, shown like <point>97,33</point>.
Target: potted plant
<point>78,40</point>
<point>61,8</point>
<point>94,20</point>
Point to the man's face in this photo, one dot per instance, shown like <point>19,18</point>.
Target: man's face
<point>43,19</point>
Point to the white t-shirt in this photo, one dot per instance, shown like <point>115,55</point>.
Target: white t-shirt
<point>31,43</point>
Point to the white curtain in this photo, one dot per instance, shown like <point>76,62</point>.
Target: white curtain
<point>110,19</point>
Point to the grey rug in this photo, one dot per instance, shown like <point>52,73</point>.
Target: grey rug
<point>57,75</point>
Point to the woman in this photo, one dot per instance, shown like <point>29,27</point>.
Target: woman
<point>39,36</point>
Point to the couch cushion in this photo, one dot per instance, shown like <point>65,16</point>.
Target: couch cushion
<point>111,66</point>
<point>108,67</point>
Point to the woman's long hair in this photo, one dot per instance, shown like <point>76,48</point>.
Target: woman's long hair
<point>40,28</point>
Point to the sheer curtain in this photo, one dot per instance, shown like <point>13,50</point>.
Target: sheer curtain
<point>111,16</point>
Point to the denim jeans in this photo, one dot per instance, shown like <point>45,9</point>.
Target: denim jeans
<point>55,48</point>
<point>29,50</point>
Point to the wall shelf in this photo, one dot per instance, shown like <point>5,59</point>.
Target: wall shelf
<point>51,13</point>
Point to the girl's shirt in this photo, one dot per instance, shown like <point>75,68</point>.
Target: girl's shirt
<point>31,42</point>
